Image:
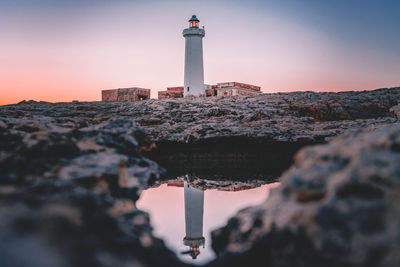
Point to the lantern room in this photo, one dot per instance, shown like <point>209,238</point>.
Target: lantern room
<point>194,22</point>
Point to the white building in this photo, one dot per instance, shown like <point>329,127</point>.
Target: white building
<point>194,205</point>
<point>194,70</point>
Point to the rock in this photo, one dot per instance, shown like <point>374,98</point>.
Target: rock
<point>67,190</point>
<point>338,205</point>
<point>106,153</point>
<point>207,184</point>
<point>395,112</point>
<point>72,171</point>
<point>47,223</point>
<point>280,116</point>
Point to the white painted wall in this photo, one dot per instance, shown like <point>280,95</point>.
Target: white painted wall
<point>194,202</point>
<point>194,69</point>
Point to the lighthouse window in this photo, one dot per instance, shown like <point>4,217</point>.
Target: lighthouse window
<point>188,89</point>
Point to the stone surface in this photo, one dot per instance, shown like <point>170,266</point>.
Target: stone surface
<point>338,205</point>
<point>395,111</point>
<point>67,192</point>
<point>70,173</point>
<point>47,223</point>
<point>207,184</point>
<point>243,128</point>
<point>104,156</point>
<point>276,117</point>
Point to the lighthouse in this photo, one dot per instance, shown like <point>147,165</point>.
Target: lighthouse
<point>194,202</point>
<point>194,70</point>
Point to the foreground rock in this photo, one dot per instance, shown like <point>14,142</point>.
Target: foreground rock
<point>339,205</point>
<point>46,224</point>
<point>67,192</point>
<point>71,172</point>
<point>104,156</point>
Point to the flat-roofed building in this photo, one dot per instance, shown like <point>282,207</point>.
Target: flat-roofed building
<point>125,94</point>
<point>172,92</point>
<point>220,89</point>
<point>235,88</point>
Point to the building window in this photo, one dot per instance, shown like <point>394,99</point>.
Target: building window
<point>188,88</point>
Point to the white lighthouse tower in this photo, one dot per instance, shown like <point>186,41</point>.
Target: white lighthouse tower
<point>194,201</point>
<point>194,70</point>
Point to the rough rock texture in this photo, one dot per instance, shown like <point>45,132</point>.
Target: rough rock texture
<point>206,184</point>
<point>70,173</point>
<point>296,116</point>
<point>104,156</point>
<point>260,132</point>
<point>338,205</point>
<point>67,192</point>
<point>395,111</point>
<point>47,223</point>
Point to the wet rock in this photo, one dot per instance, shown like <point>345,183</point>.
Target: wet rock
<point>71,171</point>
<point>67,190</point>
<point>47,223</point>
<point>280,116</point>
<point>105,153</point>
<point>395,111</point>
<point>338,205</point>
<point>207,184</point>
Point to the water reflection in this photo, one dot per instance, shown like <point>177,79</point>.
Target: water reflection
<point>194,204</point>
<point>183,214</point>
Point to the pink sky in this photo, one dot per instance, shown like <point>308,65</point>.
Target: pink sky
<point>74,54</point>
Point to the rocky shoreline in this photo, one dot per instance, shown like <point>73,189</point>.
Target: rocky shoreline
<point>338,205</point>
<point>72,171</point>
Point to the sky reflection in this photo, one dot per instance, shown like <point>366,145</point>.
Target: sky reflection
<point>167,212</point>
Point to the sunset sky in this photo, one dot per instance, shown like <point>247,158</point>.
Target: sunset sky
<point>70,50</point>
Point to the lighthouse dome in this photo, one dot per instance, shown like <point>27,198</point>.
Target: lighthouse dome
<point>194,18</point>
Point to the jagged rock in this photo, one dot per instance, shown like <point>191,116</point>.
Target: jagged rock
<point>58,223</point>
<point>338,205</point>
<point>395,112</point>
<point>67,188</point>
<point>106,153</point>
<point>207,184</point>
<point>71,171</point>
<point>279,117</point>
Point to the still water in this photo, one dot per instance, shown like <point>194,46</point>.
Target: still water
<point>184,216</point>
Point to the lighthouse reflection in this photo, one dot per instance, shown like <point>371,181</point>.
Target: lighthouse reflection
<point>186,210</point>
<point>194,207</point>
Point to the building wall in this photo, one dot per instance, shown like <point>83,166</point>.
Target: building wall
<point>239,85</point>
<point>220,89</point>
<point>172,92</point>
<point>194,70</point>
<point>232,91</point>
<point>125,94</point>
<point>175,89</point>
<point>169,94</point>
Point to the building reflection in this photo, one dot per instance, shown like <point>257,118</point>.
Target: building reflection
<point>194,210</point>
<point>194,207</point>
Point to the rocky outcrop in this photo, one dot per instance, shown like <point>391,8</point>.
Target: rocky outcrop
<point>253,131</point>
<point>207,184</point>
<point>58,223</point>
<point>104,156</point>
<point>67,192</point>
<point>72,171</point>
<point>395,112</point>
<point>279,117</point>
<point>338,205</point>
